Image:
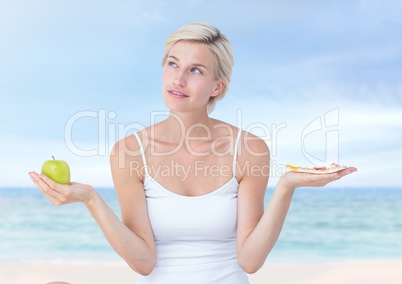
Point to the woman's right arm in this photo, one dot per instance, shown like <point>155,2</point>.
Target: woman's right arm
<point>136,241</point>
<point>132,239</point>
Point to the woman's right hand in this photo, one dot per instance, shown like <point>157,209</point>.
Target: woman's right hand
<point>296,179</point>
<point>60,194</point>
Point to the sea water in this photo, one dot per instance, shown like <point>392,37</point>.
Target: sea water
<point>322,225</point>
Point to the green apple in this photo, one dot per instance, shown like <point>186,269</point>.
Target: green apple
<point>57,170</point>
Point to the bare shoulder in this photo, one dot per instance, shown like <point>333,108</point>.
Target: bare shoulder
<point>128,145</point>
<point>254,165</point>
<point>224,127</point>
<point>126,161</point>
<point>253,145</point>
<point>253,149</point>
<point>249,140</point>
<point>127,172</point>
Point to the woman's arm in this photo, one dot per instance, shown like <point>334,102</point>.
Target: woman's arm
<point>258,231</point>
<point>132,239</point>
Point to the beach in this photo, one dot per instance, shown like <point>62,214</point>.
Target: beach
<point>347,272</point>
<point>342,236</point>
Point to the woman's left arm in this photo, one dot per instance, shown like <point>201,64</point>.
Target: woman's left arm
<point>258,231</point>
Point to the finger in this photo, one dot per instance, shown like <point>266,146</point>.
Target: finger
<point>60,191</point>
<point>40,184</point>
<point>37,181</point>
<point>47,186</point>
<point>337,175</point>
<point>346,171</point>
<point>351,170</point>
<point>54,189</point>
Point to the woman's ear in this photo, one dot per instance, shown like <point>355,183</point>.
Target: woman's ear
<point>218,89</point>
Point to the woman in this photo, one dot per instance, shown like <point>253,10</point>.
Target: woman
<point>191,188</point>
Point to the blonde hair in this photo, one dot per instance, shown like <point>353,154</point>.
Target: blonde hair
<point>218,43</point>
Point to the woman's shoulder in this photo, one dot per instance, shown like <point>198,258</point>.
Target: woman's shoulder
<point>225,128</point>
<point>246,137</point>
<point>252,146</point>
<point>131,144</point>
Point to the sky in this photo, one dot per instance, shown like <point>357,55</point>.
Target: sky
<point>320,81</point>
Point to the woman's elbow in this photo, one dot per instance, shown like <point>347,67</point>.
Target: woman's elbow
<point>250,267</point>
<point>144,271</point>
<point>146,267</point>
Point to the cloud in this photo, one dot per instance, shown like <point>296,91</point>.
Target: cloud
<point>294,62</point>
<point>366,134</point>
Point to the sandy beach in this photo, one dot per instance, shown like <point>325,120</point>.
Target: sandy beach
<point>363,272</point>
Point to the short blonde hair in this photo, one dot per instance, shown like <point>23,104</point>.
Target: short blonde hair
<point>218,43</point>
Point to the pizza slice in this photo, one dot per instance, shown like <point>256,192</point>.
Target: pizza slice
<point>317,170</point>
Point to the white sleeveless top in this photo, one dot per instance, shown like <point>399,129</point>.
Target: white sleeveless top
<point>195,236</point>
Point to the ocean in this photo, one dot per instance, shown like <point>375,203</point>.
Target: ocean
<point>323,224</point>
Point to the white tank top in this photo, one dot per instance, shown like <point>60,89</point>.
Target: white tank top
<point>195,236</point>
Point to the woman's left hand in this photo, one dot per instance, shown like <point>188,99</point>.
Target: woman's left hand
<point>294,179</point>
<point>60,194</point>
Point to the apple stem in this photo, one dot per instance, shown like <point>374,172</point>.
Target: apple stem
<point>53,158</point>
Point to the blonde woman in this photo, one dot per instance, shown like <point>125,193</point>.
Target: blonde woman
<point>191,188</point>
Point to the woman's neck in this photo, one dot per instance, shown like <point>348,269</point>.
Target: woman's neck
<point>187,126</point>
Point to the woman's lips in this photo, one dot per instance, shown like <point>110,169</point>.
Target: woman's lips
<point>177,94</point>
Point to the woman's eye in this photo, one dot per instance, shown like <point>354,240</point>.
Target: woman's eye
<point>196,70</point>
<point>172,64</point>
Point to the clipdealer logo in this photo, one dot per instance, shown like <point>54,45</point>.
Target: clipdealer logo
<point>319,140</point>
<point>322,131</point>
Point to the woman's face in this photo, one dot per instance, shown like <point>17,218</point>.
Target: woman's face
<point>189,77</point>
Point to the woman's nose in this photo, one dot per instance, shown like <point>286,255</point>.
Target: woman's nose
<point>180,78</point>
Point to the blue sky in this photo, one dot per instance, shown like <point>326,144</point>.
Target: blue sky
<point>319,80</point>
